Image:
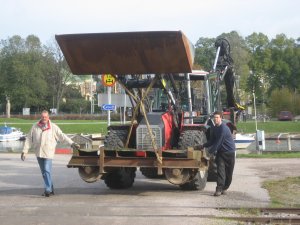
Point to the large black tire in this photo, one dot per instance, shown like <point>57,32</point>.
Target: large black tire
<point>89,174</point>
<point>115,139</point>
<point>197,183</point>
<point>190,138</point>
<point>120,178</point>
<point>212,170</point>
<point>150,172</point>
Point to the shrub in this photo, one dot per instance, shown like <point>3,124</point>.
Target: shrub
<point>284,100</point>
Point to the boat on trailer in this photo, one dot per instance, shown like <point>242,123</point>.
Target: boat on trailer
<point>243,140</point>
<point>8,133</point>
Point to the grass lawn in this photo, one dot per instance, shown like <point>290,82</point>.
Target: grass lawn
<point>284,193</point>
<point>67,126</point>
<point>270,155</point>
<point>270,126</point>
<point>100,126</point>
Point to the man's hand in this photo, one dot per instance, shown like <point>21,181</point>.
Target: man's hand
<point>210,155</point>
<point>23,156</point>
<point>75,146</point>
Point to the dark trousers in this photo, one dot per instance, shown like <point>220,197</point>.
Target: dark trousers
<point>225,164</point>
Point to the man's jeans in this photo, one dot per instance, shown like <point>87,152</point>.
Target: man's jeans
<point>46,168</point>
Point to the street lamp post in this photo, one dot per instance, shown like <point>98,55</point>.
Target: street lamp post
<point>91,94</point>
<point>255,117</point>
<point>254,105</point>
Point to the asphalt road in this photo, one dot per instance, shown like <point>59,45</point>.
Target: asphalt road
<point>147,202</point>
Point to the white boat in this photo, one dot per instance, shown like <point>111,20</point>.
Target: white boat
<point>10,134</point>
<point>11,146</point>
<point>243,140</point>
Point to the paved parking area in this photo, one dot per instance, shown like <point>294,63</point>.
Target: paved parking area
<point>147,202</point>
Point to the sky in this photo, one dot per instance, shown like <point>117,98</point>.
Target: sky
<point>195,18</point>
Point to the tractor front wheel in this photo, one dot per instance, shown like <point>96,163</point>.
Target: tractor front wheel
<point>198,182</point>
<point>191,138</point>
<point>150,172</point>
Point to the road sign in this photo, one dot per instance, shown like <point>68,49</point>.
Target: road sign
<point>108,107</point>
<point>108,80</point>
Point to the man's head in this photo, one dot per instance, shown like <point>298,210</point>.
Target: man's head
<point>44,116</point>
<point>218,118</point>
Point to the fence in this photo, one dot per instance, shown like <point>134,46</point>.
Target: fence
<point>280,142</point>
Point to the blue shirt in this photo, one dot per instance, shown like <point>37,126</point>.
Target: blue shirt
<point>221,140</point>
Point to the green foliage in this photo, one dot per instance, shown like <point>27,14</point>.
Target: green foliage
<point>32,75</point>
<point>260,61</point>
<point>205,53</point>
<point>285,70</point>
<point>75,105</point>
<point>21,69</point>
<point>284,100</point>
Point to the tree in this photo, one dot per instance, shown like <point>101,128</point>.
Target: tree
<point>74,102</point>
<point>284,100</point>
<point>58,74</point>
<point>21,69</point>
<point>259,63</point>
<point>285,69</point>
<point>205,53</point>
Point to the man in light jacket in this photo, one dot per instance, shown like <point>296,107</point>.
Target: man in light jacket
<point>43,138</point>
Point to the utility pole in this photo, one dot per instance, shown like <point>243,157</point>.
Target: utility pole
<point>109,102</point>
<point>7,107</point>
<point>92,95</point>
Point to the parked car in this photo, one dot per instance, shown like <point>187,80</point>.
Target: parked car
<point>285,115</point>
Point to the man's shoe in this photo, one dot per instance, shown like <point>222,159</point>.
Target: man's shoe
<point>52,192</point>
<point>46,194</point>
<point>217,193</point>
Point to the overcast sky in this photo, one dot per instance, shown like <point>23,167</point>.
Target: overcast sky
<point>196,18</point>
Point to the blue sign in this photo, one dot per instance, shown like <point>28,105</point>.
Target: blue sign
<point>109,107</point>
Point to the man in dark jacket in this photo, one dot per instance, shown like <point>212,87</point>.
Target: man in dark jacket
<point>222,144</point>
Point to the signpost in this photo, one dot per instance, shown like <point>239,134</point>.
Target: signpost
<point>108,80</point>
<point>109,107</point>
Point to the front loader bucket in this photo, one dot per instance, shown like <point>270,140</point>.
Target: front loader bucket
<point>124,53</point>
